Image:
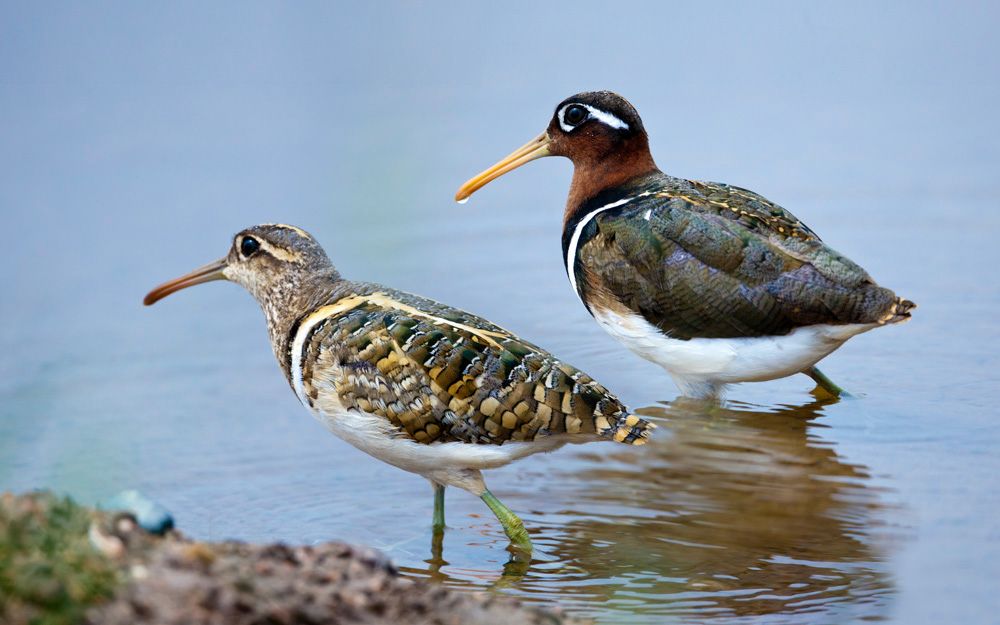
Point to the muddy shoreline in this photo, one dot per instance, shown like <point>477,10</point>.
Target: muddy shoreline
<point>64,563</point>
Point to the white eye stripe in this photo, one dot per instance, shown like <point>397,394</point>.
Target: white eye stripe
<point>602,116</point>
<point>279,253</point>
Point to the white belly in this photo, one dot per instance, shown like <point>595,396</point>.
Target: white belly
<point>700,366</point>
<point>451,463</point>
<point>376,436</point>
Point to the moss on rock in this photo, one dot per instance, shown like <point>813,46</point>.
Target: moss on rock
<point>50,574</point>
<point>64,564</point>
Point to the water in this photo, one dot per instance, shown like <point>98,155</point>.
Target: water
<point>135,143</point>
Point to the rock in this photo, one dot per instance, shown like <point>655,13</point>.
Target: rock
<point>153,517</point>
<point>238,583</point>
<point>173,580</point>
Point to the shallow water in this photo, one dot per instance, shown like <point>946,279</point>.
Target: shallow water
<point>129,158</point>
<point>742,512</point>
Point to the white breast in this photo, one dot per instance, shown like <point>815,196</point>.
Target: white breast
<point>445,463</point>
<point>698,363</point>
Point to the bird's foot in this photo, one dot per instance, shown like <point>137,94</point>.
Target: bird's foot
<point>512,525</point>
<point>826,384</point>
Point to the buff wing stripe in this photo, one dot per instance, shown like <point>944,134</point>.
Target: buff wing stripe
<point>438,375</point>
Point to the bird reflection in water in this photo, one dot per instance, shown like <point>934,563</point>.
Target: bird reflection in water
<point>734,510</point>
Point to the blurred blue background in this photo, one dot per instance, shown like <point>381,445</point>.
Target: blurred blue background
<point>136,139</point>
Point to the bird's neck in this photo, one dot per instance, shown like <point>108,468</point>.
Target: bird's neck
<point>592,177</point>
<point>288,303</point>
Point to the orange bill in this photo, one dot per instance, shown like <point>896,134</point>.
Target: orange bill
<point>536,148</point>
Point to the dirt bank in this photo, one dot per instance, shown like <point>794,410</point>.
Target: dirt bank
<point>64,564</point>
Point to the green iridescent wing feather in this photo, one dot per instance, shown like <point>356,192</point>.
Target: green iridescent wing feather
<point>709,260</point>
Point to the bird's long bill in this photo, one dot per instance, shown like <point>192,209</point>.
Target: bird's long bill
<point>536,148</point>
<point>211,271</point>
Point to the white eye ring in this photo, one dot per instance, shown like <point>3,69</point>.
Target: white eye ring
<point>602,116</point>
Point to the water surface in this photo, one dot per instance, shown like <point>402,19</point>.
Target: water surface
<point>134,144</point>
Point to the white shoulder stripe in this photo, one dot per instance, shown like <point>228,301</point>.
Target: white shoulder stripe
<point>574,241</point>
<point>295,353</point>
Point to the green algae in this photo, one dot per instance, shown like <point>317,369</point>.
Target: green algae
<point>50,574</point>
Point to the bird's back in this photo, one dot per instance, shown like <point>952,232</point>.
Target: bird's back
<point>440,374</point>
<point>700,259</point>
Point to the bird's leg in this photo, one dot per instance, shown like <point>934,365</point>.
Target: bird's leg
<point>438,523</point>
<point>700,389</point>
<point>512,525</point>
<point>825,383</point>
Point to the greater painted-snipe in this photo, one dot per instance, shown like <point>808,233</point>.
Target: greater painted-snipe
<point>422,386</point>
<point>714,283</point>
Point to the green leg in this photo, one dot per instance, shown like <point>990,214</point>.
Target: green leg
<point>437,556</point>
<point>512,525</point>
<point>438,524</point>
<point>825,383</point>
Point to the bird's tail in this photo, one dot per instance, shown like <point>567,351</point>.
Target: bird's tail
<point>629,429</point>
<point>900,311</point>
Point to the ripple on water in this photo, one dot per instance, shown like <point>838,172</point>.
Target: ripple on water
<point>736,512</point>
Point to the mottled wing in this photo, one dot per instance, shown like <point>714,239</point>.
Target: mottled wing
<point>440,374</point>
<point>703,260</point>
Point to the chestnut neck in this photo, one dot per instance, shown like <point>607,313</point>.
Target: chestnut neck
<point>591,176</point>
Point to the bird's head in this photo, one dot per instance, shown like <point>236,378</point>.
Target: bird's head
<point>599,131</point>
<point>271,261</point>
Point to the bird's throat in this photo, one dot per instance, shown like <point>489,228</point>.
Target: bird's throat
<point>593,177</point>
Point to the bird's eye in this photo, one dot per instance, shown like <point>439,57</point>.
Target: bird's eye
<point>249,246</point>
<point>574,114</point>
